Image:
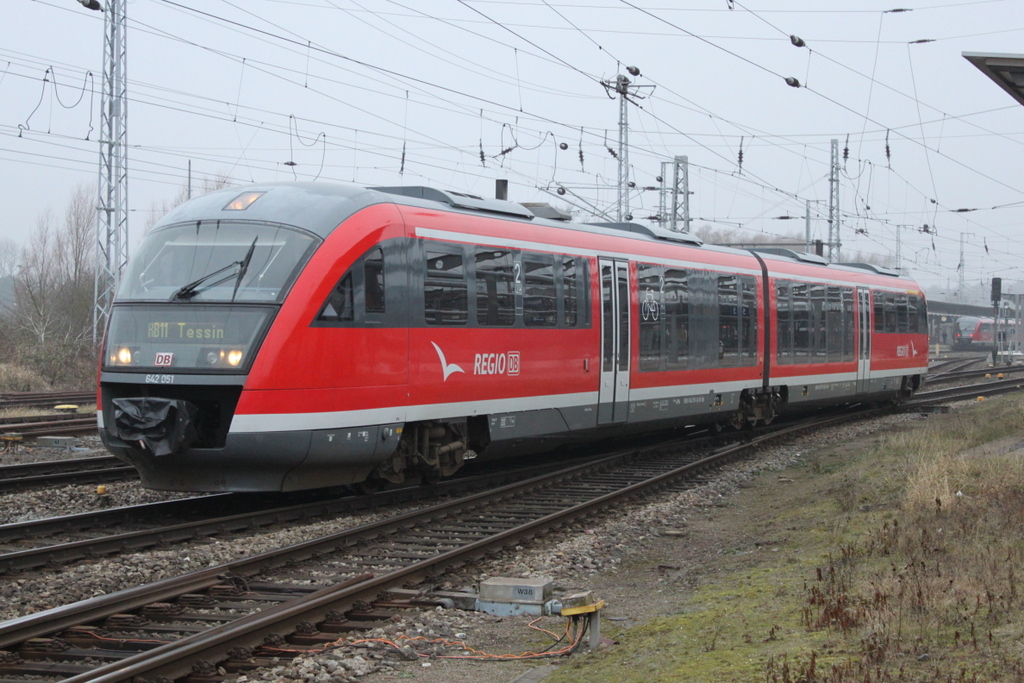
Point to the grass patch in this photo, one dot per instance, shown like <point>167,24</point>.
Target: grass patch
<point>902,561</point>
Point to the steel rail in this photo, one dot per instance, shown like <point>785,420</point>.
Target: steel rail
<point>84,425</point>
<point>248,511</point>
<point>64,472</point>
<point>969,374</point>
<point>966,392</point>
<point>942,369</point>
<point>41,623</point>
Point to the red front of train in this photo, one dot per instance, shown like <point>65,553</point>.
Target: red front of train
<point>292,336</point>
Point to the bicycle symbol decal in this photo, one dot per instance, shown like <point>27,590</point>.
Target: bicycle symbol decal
<point>649,307</point>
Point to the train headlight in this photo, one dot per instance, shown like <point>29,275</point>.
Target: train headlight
<point>234,357</point>
<point>124,356</point>
<point>212,357</point>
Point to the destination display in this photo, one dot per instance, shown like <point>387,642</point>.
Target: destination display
<point>204,338</point>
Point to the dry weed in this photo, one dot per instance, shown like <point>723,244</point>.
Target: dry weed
<point>944,574</point>
<point>15,378</point>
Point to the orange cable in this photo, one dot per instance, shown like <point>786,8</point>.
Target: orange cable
<point>478,655</point>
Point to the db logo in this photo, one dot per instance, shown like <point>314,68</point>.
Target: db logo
<point>163,360</point>
<point>513,362</point>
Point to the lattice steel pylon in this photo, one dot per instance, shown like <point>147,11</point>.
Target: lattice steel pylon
<point>622,88</point>
<point>674,195</point>
<point>834,243</point>
<point>112,202</point>
<point>625,90</point>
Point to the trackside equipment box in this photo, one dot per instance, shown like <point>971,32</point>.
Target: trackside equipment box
<point>506,597</point>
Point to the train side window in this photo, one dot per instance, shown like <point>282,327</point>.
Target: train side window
<point>902,317</point>
<point>583,291</point>
<point>802,337</point>
<point>676,296</point>
<point>922,316</point>
<point>819,343</point>
<point>373,279</point>
<point>912,314</point>
<point>834,332</point>
<point>849,328</point>
<point>650,313</point>
<point>445,293</point>
<point>607,324</point>
<point>570,293</point>
<point>890,312</point>
<point>748,320</point>
<point>495,287</point>
<point>728,321</point>
<point>784,325</point>
<point>339,306</point>
<point>540,306</point>
<point>879,303</point>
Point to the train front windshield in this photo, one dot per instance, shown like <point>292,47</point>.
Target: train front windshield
<point>199,297</point>
<point>966,326</point>
<point>216,261</point>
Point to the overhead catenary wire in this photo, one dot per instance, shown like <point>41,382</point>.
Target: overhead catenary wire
<point>466,152</point>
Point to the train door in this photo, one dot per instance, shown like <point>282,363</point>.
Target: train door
<point>613,399</point>
<point>864,339</point>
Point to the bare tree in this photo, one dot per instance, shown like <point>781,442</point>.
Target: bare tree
<point>35,309</point>
<point>76,243</point>
<point>53,294</point>
<point>9,251</point>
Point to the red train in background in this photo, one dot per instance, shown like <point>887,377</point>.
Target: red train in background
<point>290,336</point>
<point>978,334</point>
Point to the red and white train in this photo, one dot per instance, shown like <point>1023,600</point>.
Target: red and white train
<point>290,336</point>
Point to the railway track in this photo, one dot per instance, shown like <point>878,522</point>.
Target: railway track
<point>99,469</point>
<point>937,396</point>
<point>219,617</point>
<point>956,375</point>
<point>47,425</point>
<point>942,369</point>
<point>47,399</point>
<point>45,542</point>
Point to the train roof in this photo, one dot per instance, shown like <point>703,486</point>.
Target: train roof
<point>320,207</point>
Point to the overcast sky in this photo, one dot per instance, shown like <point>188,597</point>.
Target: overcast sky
<point>457,93</point>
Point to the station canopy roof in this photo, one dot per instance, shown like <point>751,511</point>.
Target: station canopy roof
<point>1006,70</point>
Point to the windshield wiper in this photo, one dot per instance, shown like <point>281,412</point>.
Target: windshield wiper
<point>192,288</point>
<point>244,267</point>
